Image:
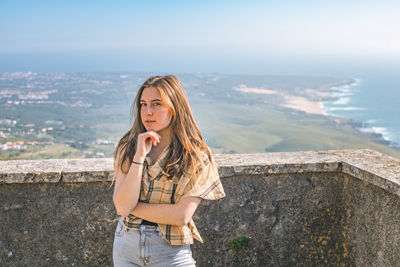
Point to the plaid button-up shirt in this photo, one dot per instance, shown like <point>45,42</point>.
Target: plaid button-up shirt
<point>157,189</point>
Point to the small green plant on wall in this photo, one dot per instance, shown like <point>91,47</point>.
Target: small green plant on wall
<point>240,243</point>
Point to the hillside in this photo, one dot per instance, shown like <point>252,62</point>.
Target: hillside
<point>64,115</point>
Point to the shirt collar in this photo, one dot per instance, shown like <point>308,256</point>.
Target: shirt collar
<point>154,170</point>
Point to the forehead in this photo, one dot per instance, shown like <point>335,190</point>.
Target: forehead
<point>149,94</point>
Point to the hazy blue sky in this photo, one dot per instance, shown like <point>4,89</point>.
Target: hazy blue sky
<point>193,36</point>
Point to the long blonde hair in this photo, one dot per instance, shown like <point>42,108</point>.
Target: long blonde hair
<point>187,150</point>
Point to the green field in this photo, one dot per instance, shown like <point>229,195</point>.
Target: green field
<point>229,128</point>
<point>231,121</point>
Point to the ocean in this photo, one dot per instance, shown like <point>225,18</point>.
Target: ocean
<point>373,100</point>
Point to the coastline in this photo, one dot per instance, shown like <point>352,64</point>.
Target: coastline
<point>341,96</point>
<point>304,104</point>
<point>321,102</point>
<point>290,101</point>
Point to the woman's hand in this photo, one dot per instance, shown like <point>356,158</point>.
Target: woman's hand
<point>144,144</point>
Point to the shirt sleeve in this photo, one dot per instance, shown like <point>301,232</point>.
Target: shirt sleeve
<point>206,186</point>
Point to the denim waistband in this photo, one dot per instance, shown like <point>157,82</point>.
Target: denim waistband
<point>142,227</point>
<point>149,228</point>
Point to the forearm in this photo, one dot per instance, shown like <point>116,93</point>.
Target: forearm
<point>159,213</point>
<point>175,214</point>
<point>128,193</point>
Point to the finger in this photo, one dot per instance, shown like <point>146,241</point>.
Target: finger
<point>155,135</point>
<point>155,139</point>
<point>152,138</point>
<point>149,136</point>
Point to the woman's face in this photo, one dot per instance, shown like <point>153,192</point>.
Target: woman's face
<point>154,112</point>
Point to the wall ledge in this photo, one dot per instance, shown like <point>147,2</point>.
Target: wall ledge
<point>367,165</point>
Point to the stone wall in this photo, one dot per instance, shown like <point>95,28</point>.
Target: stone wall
<point>282,209</point>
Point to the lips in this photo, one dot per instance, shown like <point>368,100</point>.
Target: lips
<point>149,121</point>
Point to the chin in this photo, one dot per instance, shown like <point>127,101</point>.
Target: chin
<point>152,129</point>
<point>155,129</point>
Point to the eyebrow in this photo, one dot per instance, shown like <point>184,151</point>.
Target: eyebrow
<point>154,100</point>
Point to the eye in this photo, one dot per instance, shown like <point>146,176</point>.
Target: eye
<point>142,104</point>
<point>157,104</point>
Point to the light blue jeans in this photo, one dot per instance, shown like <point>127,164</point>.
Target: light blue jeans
<point>147,247</point>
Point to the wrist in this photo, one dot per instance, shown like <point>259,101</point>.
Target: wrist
<point>139,159</point>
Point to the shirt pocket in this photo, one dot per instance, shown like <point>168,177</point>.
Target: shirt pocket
<point>162,191</point>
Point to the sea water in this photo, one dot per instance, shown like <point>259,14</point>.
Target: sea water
<point>374,100</point>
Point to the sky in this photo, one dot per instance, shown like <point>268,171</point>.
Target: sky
<point>195,36</point>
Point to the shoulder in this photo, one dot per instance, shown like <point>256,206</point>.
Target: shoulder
<point>203,165</point>
<point>203,158</point>
<point>206,155</point>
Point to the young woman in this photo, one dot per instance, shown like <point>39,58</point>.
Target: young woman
<point>163,169</point>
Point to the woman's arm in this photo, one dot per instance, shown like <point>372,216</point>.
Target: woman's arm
<point>127,187</point>
<point>174,214</point>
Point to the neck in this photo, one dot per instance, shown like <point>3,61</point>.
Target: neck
<point>166,137</point>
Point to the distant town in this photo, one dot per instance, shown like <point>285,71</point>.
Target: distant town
<point>83,115</point>
<point>11,128</point>
<point>28,104</point>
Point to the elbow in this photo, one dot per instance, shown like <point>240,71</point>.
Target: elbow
<point>184,220</point>
<point>122,210</point>
<point>186,209</point>
<point>122,213</point>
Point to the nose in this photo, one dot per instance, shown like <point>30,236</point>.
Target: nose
<point>147,110</point>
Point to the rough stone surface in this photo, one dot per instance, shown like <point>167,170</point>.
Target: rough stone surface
<point>372,224</point>
<point>315,208</point>
<point>287,218</point>
<point>56,224</point>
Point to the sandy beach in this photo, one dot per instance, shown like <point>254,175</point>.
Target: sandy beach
<point>243,88</point>
<point>303,104</point>
<point>293,102</point>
